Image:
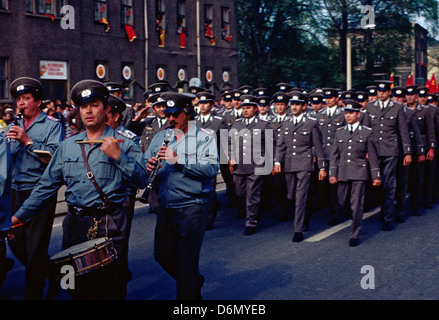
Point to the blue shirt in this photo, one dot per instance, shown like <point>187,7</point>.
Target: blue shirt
<point>47,133</point>
<point>189,181</point>
<point>67,167</point>
<point>5,185</point>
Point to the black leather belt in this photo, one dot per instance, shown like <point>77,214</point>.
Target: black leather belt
<point>93,212</point>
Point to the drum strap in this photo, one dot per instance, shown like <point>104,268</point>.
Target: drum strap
<point>92,179</point>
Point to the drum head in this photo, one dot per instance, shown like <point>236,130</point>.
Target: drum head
<point>78,248</point>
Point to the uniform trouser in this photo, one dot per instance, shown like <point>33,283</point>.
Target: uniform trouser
<point>153,200</point>
<point>328,193</point>
<point>31,243</point>
<point>416,183</point>
<point>228,180</point>
<point>279,188</point>
<point>388,173</point>
<point>178,238</point>
<point>213,208</point>
<point>2,261</point>
<point>249,186</point>
<point>351,194</point>
<point>430,173</point>
<point>436,177</point>
<point>108,282</point>
<point>298,184</point>
<point>129,205</point>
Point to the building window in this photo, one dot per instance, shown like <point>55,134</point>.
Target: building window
<point>46,7</point>
<point>160,22</point>
<point>208,24</point>
<point>4,85</point>
<point>181,22</point>
<point>49,8</point>
<point>127,12</point>
<point>3,4</point>
<point>225,24</point>
<point>100,10</point>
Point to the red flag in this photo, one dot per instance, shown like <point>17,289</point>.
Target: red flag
<point>391,79</point>
<point>130,32</point>
<point>104,21</point>
<point>433,85</point>
<point>410,81</point>
<point>182,40</point>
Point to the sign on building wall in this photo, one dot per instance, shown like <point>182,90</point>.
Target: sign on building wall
<point>53,70</point>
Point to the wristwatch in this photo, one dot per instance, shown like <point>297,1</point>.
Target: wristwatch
<point>30,143</point>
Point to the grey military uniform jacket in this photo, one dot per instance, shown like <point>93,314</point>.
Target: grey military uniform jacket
<point>248,147</point>
<point>230,118</point>
<point>214,125</point>
<point>426,118</point>
<point>328,126</point>
<point>389,127</point>
<point>416,140</point>
<point>277,126</point>
<point>294,148</point>
<point>146,130</point>
<point>348,157</point>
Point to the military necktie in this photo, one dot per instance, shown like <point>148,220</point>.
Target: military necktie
<point>351,130</point>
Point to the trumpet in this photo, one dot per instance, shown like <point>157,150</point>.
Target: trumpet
<point>153,173</point>
<point>16,122</point>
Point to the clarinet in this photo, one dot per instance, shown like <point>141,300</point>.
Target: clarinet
<point>153,173</point>
<point>16,122</point>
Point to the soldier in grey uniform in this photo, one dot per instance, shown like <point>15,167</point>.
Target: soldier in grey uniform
<point>264,112</point>
<point>389,126</point>
<point>416,169</point>
<point>236,112</point>
<point>278,183</point>
<point>213,124</point>
<point>427,115</point>
<point>353,155</point>
<point>418,179</point>
<point>250,160</point>
<point>329,121</point>
<point>294,157</point>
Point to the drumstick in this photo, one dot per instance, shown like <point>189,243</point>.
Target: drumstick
<point>99,141</point>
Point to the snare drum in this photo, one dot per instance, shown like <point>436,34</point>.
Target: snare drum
<point>84,257</point>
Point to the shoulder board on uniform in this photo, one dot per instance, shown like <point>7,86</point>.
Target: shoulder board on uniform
<point>72,134</point>
<point>53,118</point>
<point>151,117</point>
<point>312,118</point>
<point>341,128</point>
<point>367,128</point>
<point>207,132</point>
<point>425,106</point>
<point>218,117</point>
<point>127,134</point>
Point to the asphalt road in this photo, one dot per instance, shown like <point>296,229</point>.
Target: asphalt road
<point>402,264</point>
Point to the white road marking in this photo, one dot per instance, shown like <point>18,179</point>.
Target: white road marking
<point>329,232</point>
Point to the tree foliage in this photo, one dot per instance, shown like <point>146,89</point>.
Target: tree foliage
<point>304,41</point>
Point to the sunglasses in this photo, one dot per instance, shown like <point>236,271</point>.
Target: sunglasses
<point>174,114</point>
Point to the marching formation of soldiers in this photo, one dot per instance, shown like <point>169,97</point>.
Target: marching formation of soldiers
<point>351,151</point>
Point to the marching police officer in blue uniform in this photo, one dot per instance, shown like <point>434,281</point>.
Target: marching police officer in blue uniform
<point>35,131</point>
<point>5,206</point>
<point>189,156</point>
<point>353,156</point>
<point>97,166</point>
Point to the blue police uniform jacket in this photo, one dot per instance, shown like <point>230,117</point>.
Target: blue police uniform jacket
<point>5,185</point>
<point>189,180</point>
<point>47,133</point>
<point>115,177</point>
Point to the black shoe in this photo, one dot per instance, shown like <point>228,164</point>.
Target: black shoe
<point>298,236</point>
<point>333,222</point>
<point>387,226</point>
<point>353,242</point>
<point>249,231</point>
<point>400,219</point>
<point>143,200</point>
